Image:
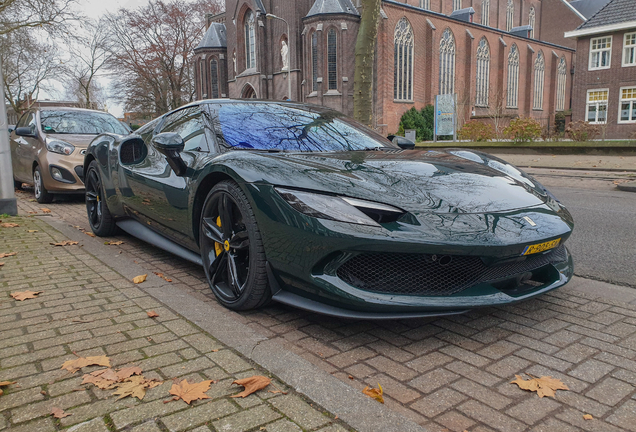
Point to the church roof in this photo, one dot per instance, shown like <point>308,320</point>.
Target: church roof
<point>332,7</point>
<point>587,8</point>
<point>614,12</point>
<point>214,38</point>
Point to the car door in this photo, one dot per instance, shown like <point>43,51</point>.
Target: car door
<point>23,149</point>
<point>156,195</point>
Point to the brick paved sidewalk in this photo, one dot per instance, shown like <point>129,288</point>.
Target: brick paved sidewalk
<point>453,373</point>
<point>89,309</point>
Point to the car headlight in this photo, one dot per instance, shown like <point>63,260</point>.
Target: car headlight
<point>58,146</point>
<point>343,209</point>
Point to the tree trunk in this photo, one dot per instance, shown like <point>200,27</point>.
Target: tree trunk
<point>365,52</point>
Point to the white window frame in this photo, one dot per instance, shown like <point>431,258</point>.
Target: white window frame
<point>483,73</point>
<point>597,103</point>
<point>457,5</point>
<point>404,58</point>
<point>539,81</point>
<point>632,103</point>
<point>510,15</point>
<point>600,50</point>
<point>631,47</point>
<point>512,87</point>
<point>561,83</point>
<point>425,4</point>
<point>531,21</point>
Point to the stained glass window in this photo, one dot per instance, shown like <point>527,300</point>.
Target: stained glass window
<point>250,41</point>
<point>214,78</point>
<point>561,78</point>
<point>403,61</point>
<point>331,59</point>
<point>447,63</point>
<point>483,73</point>
<point>539,75</point>
<point>513,77</point>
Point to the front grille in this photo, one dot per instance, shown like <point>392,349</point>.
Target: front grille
<point>433,275</point>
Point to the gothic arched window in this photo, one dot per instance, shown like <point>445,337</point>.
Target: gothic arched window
<point>250,41</point>
<point>314,61</point>
<point>531,19</point>
<point>204,93</point>
<point>513,77</point>
<point>332,59</point>
<point>485,12</point>
<point>483,73</point>
<point>403,61</point>
<point>561,78</point>
<point>510,15</point>
<point>539,73</point>
<point>214,78</point>
<point>447,63</point>
<point>425,4</point>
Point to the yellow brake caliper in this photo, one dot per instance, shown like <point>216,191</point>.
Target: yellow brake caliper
<point>218,247</point>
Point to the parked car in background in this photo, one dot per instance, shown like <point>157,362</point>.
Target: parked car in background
<point>48,147</point>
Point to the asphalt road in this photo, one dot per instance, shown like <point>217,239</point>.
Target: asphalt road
<point>603,243</point>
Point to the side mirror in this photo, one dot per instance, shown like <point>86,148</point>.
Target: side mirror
<point>171,145</point>
<point>403,143</point>
<point>25,131</point>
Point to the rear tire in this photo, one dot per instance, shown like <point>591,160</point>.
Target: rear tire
<point>41,194</point>
<point>232,249</point>
<point>101,221</point>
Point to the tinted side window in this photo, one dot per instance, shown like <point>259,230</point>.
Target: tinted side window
<point>146,131</point>
<point>188,123</point>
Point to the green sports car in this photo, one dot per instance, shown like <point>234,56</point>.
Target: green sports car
<point>299,204</point>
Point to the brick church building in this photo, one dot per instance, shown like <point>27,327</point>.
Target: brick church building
<point>501,57</point>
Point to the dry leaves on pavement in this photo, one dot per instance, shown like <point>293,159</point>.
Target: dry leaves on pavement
<point>31,231</point>
<point>140,279</point>
<point>163,277</point>
<point>74,365</point>
<point>58,413</point>
<point>24,295</point>
<point>65,243</point>
<point>588,417</point>
<point>4,384</point>
<point>4,255</point>
<point>152,314</point>
<point>544,386</point>
<point>190,392</point>
<point>135,386</point>
<point>9,225</point>
<point>374,393</point>
<point>127,381</point>
<point>1,264</point>
<point>251,384</point>
<point>45,210</point>
<point>113,243</point>
<point>90,234</point>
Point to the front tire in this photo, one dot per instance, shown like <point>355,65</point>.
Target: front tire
<point>232,249</point>
<point>101,221</point>
<point>41,194</point>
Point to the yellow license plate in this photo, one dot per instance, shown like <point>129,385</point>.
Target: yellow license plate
<point>532,249</point>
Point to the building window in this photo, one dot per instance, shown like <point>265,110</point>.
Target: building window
<point>629,49</point>
<point>513,77</point>
<point>600,52</point>
<point>628,105</point>
<point>457,5</point>
<point>485,12</point>
<point>250,41</point>
<point>447,63</point>
<point>510,15</point>
<point>314,61</point>
<point>403,61</point>
<point>561,78</point>
<point>425,4</point>
<point>214,78</point>
<point>204,94</point>
<point>331,60</point>
<point>483,73</point>
<point>596,110</point>
<point>539,74</point>
<point>531,19</point>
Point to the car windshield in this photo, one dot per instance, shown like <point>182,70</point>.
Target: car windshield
<point>80,122</point>
<point>271,126</point>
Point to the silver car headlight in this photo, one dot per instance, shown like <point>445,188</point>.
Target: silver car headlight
<point>343,209</point>
<point>59,146</point>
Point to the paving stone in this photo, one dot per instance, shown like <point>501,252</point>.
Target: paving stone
<point>491,417</point>
<point>473,373</point>
<point>575,418</point>
<point>159,361</point>
<point>438,402</point>
<point>543,359</point>
<point>591,371</point>
<point>610,391</point>
<point>498,350</point>
<point>40,425</point>
<point>508,366</point>
<point>95,425</point>
<point>350,357</point>
<point>392,368</point>
<point>582,403</point>
<point>145,411</point>
<point>202,343</point>
<point>455,421</point>
<point>625,416</point>
<point>247,420</point>
<point>533,409</point>
<point>180,327</point>
<point>283,426</point>
<point>552,425</point>
<point>481,393</point>
<point>229,361</point>
<point>15,399</point>
<point>38,409</point>
<point>433,380</point>
<point>150,426</point>
<point>299,411</point>
<point>198,415</point>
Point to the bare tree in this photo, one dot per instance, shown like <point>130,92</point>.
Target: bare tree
<point>26,64</point>
<point>152,50</point>
<point>19,14</point>
<point>365,56</point>
<point>497,110</point>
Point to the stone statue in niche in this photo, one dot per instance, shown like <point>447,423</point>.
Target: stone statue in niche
<point>234,61</point>
<point>284,53</point>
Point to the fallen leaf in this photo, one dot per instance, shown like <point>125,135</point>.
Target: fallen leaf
<point>350,377</point>
<point>32,231</point>
<point>134,387</point>
<point>163,277</point>
<point>58,413</point>
<point>4,255</point>
<point>4,384</point>
<point>1,264</point>
<point>113,243</point>
<point>544,386</point>
<point>374,393</point>
<point>128,372</point>
<point>74,365</point>
<point>251,384</point>
<point>9,225</point>
<point>45,210</point>
<point>65,243</point>
<point>140,279</point>
<point>152,314</point>
<point>90,234</point>
<point>588,417</point>
<point>189,392</point>
<point>24,295</point>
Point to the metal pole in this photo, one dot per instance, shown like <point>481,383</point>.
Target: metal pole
<point>8,203</point>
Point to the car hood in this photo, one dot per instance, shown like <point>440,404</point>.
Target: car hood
<point>78,140</point>
<point>432,181</point>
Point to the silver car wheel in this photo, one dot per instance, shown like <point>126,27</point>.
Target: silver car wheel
<point>37,183</point>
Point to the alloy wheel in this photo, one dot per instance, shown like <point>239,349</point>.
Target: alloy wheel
<point>37,183</point>
<point>93,198</point>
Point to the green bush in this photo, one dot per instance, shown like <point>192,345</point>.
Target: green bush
<point>421,121</point>
<point>523,129</point>
<point>475,130</point>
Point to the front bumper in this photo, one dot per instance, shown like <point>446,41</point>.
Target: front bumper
<point>71,170</point>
